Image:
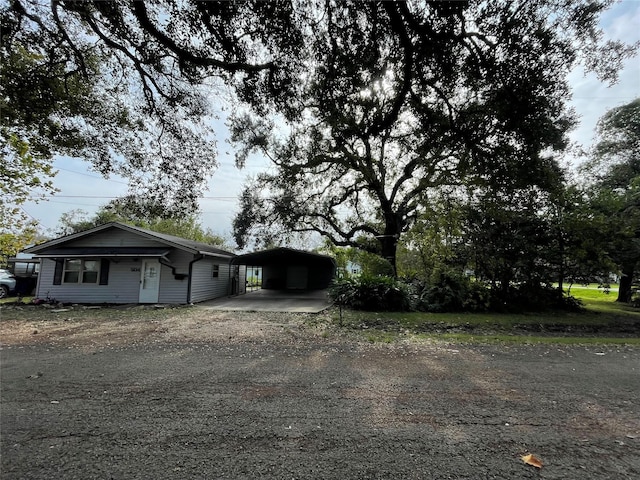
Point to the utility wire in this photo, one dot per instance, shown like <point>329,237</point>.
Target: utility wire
<point>89,175</point>
<point>113,197</point>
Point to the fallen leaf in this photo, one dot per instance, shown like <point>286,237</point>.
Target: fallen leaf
<point>531,460</point>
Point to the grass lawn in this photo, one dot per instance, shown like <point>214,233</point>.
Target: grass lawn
<point>15,299</point>
<point>603,321</point>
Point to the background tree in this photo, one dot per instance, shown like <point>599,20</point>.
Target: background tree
<point>12,242</point>
<point>22,178</point>
<point>507,239</point>
<point>350,259</point>
<point>615,189</point>
<point>405,97</point>
<point>381,100</point>
<point>140,214</point>
<point>578,250</point>
<point>433,244</point>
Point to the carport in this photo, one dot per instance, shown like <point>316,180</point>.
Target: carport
<point>290,281</point>
<point>289,269</point>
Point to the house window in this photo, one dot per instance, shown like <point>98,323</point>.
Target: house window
<point>81,271</point>
<point>216,271</point>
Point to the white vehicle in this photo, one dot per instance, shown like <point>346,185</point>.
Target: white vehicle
<point>7,283</point>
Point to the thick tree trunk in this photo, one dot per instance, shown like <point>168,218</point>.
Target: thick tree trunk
<point>624,290</point>
<point>389,239</point>
<point>389,246</point>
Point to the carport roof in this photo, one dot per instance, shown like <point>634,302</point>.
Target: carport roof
<point>281,255</point>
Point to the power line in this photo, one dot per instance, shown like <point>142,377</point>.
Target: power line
<point>76,203</point>
<point>90,176</point>
<point>34,218</point>
<point>112,197</point>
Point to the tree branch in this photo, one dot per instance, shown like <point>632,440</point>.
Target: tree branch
<point>184,56</point>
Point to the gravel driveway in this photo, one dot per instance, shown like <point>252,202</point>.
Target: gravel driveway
<point>198,394</point>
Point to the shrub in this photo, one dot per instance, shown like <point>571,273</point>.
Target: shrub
<point>453,292</point>
<point>534,297</point>
<point>450,293</point>
<point>373,293</point>
<point>478,297</point>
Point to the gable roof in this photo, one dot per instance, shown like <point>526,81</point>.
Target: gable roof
<point>170,240</point>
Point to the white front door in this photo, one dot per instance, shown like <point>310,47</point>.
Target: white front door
<point>149,281</point>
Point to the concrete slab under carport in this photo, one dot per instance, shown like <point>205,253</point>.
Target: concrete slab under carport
<point>287,301</point>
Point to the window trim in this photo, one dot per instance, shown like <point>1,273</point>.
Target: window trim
<point>215,270</point>
<point>81,271</point>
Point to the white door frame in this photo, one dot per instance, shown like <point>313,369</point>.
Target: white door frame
<point>149,281</point>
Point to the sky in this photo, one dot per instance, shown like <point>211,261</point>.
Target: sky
<point>82,188</point>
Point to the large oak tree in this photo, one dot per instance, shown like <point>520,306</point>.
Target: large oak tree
<point>363,106</point>
<point>403,97</point>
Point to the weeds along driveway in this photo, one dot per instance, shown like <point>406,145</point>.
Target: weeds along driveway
<point>270,397</point>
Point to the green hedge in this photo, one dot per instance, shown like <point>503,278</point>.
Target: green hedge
<point>373,293</point>
<point>449,293</point>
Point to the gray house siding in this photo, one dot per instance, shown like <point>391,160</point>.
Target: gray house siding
<point>121,251</point>
<point>124,273</point>
<point>115,238</point>
<point>123,286</point>
<point>174,290</point>
<point>204,286</point>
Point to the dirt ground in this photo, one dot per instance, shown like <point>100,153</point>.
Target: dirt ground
<point>191,393</point>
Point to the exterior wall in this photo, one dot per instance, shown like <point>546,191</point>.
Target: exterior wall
<point>174,290</point>
<point>114,237</point>
<point>274,277</point>
<point>320,277</point>
<point>203,285</point>
<point>124,283</point>
<point>123,287</point>
<point>124,274</point>
<point>237,284</point>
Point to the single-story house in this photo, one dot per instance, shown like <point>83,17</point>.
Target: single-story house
<point>289,269</point>
<point>118,263</point>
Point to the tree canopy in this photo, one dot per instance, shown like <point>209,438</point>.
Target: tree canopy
<point>128,85</point>
<point>362,106</point>
<point>401,98</point>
